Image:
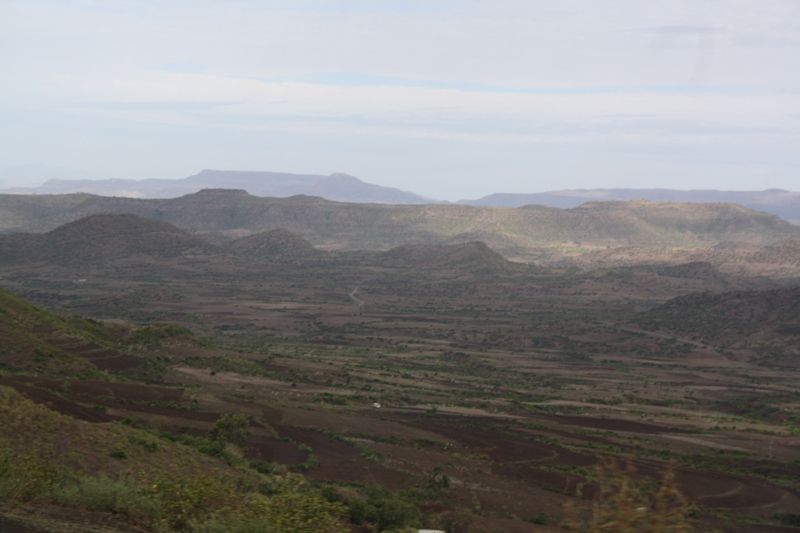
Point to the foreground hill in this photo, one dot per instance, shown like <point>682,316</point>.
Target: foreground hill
<point>40,341</point>
<point>35,339</point>
<point>528,233</point>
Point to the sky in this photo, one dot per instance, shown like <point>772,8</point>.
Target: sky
<point>448,99</point>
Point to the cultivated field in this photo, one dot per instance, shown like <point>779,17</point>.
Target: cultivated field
<point>513,382</point>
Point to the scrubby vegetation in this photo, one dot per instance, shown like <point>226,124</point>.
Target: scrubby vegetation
<point>48,458</point>
<point>624,505</point>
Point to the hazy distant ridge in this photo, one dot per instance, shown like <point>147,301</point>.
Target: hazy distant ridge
<point>336,187</point>
<point>345,188</point>
<point>784,204</point>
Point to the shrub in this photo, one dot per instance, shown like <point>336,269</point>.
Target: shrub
<point>541,519</point>
<point>24,478</point>
<point>230,429</point>
<point>185,499</point>
<point>396,513</point>
<point>262,467</point>
<point>624,506</point>
<point>117,496</point>
<point>293,508</point>
<point>383,508</point>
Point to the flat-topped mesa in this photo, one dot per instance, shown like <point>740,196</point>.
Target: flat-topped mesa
<point>220,192</point>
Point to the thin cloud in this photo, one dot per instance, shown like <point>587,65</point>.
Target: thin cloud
<point>338,84</point>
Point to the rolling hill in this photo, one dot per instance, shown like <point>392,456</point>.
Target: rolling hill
<point>768,321</point>
<point>276,245</point>
<point>101,239</point>
<point>529,233</point>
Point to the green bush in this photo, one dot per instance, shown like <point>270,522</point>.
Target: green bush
<point>185,499</point>
<point>24,478</point>
<point>293,508</point>
<point>396,513</point>
<point>230,429</point>
<point>263,467</point>
<point>383,508</point>
<point>205,503</point>
<point>122,497</point>
<point>541,519</point>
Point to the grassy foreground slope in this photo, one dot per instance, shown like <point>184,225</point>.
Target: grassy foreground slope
<point>49,458</point>
<point>34,339</point>
<point>146,478</point>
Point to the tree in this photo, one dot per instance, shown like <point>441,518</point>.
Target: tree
<point>230,429</point>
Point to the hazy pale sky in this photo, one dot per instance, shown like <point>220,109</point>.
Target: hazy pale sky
<point>449,99</point>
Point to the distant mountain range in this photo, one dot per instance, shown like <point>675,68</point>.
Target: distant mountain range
<point>346,188</point>
<point>784,204</point>
<point>336,187</point>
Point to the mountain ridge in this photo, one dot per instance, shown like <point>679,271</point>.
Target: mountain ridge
<point>785,204</point>
<point>346,188</point>
<point>521,234</point>
<point>336,187</point>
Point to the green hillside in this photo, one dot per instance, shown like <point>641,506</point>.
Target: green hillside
<point>767,322</point>
<point>84,474</point>
<point>516,233</point>
<point>85,468</point>
<point>33,339</point>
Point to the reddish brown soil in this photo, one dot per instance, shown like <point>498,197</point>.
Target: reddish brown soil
<point>611,424</point>
<point>57,403</point>
<point>271,449</point>
<point>342,461</point>
<point>130,391</point>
